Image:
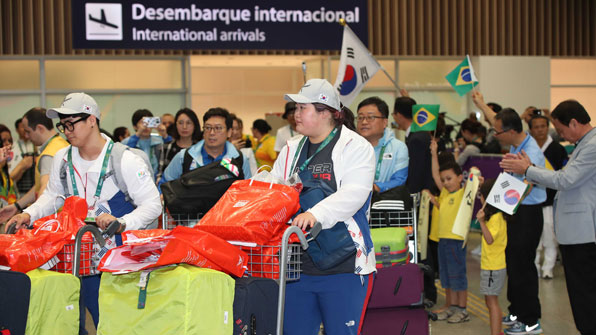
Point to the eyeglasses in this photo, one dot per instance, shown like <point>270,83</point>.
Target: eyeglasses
<point>369,118</point>
<point>500,132</point>
<point>68,125</point>
<point>216,129</point>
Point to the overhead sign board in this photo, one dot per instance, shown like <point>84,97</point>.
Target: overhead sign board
<point>213,24</point>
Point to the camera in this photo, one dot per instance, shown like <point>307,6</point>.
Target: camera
<point>152,122</point>
<point>537,111</point>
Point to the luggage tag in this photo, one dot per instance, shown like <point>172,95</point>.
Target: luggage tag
<point>143,281</point>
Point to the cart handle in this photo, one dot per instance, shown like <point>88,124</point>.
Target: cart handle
<point>100,237</point>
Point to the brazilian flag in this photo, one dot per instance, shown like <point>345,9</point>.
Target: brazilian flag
<point>462,78</point>
<point>424,117</point>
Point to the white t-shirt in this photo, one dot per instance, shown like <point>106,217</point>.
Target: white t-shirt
<point>283,135</point>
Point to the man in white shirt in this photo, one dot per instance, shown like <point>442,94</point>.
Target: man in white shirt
<point>21,167</point>
<point>87,161</point>
<point>287,132</point>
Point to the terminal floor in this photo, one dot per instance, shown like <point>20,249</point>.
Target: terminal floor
<point>556,311</point>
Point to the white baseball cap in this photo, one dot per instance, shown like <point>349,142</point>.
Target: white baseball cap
<point>75,103</point>
<point>316,91</point>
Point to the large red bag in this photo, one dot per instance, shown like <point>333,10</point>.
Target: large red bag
<point>145,249</point>
<point>251,211</point>
<point>29,249</point>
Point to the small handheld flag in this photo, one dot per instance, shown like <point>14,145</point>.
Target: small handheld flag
<point>424,117</point>
<point>507,193</point>
<point>356,67</point>
<point>462,78</point>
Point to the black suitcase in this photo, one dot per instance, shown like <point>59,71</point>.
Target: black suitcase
<point>255,306</point>
<point>15,291</point>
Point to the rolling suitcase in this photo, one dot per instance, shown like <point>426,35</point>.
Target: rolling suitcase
<point>15,290</point>
<point>255,306</point>
<point>398,321</point>
<point>397,286</point>
<point>391,246</point>
<point>181,299</point>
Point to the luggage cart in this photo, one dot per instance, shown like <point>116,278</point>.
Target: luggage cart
<point>391,213</point>
<point>281,262</point>
<point>170,221</point>
<point>81,256</point>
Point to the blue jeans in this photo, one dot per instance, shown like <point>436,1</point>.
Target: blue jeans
<point>452,264</point>
<point>339,301</point>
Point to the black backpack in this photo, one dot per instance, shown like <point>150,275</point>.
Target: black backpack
<point>196,191</point>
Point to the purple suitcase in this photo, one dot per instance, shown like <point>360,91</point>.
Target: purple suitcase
<point>399,321</point>
<point>397,286</point>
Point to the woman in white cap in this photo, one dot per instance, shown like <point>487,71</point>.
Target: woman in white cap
<point>336,166</point>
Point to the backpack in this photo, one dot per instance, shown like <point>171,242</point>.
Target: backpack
<point>196,191</point>
<point>114,169</point>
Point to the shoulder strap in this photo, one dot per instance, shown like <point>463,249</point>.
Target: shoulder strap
<point>63,178</point>
<point>186,162</point>
<point>116,167</point>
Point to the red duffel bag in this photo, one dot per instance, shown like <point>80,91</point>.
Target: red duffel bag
<point>251,211</point>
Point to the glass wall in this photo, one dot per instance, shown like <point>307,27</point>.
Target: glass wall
<point>119,85</point>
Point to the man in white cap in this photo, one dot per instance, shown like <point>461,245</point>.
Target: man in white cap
<point>115,181</point>
<point>40,130</point>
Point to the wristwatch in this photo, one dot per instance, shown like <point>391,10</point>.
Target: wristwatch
<point>122,225</point>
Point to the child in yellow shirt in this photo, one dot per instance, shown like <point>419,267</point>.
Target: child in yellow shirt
<point>452,255</point>
<point>493,272</point>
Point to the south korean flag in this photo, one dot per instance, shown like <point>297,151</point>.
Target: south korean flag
<point>507,193</point>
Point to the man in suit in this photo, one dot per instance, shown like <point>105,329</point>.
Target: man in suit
<point>575,204</point>
<point>418,143</point>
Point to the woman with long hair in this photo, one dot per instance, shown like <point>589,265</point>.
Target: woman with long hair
<point>186,132</point>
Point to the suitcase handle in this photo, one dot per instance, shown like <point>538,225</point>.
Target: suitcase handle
<point>404,328</point>
<point>397,285</point>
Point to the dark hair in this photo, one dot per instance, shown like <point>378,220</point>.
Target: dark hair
<point>139,114</point>
<point>568,110</point>
<point>441,128</point>
<point>450,165</point>
<point>17,123</point>
<point>494,106</point>
<point>378,102</point>
<point>444,157</point>
<point>239,120</point>
<point>262,126</point>
<point>510,120</point>
<point>542,117</point>
<point>289,108</point>
<point>197,134</point>
<point>37,116</point>
<point>119,132</point>
<point>490,210</point>
<point>403,106</point>
<point>4,128</point>
<point>471,126</point>
<point>220,112</point>
<point>344,117</point>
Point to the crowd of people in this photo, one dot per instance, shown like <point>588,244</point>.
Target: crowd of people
<point>346,157</point>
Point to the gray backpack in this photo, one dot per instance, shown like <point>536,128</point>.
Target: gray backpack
<point>114,168</point>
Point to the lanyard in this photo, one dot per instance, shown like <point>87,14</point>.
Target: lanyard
<point>321,147</point>
<point>291,132</point>
<point>102,174</point>
<point>378,169</point>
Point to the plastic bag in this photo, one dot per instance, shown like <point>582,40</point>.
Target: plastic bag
<point>251,211</point>
<point>143,249</point>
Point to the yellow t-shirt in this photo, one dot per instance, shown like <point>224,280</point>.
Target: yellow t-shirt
<point>265,151</point>
<point>493,255</point>
<point>434,225</point>
<point>448,207</point>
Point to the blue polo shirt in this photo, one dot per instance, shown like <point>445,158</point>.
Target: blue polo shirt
<point>529,145</point>
<point>208,159</point>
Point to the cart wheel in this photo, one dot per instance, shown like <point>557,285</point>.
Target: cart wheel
<point>432,316</point>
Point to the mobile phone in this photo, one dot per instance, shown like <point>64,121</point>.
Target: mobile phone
<point>537,111</point>
<point>152,122</point>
